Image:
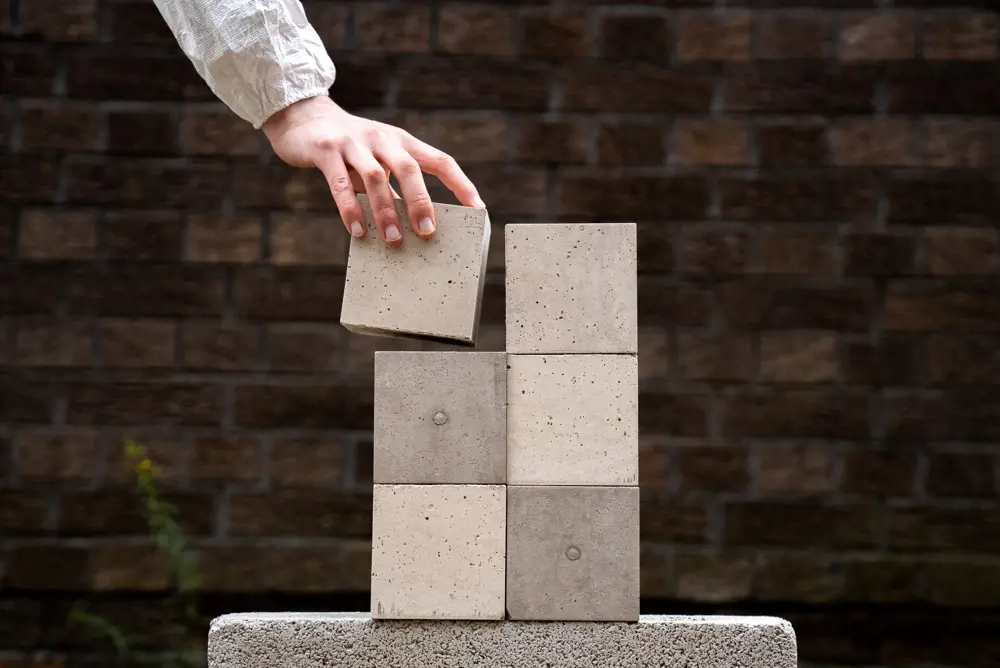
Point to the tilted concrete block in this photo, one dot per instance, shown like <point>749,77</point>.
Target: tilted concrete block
<point>572,420</point>
<point>573,553</point>
<point>571,288</point>
<point>429,289</point>
<point>438,552</point>
<point>440,417</point>
<point>353,640</point>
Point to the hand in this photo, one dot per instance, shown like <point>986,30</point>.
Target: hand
<point>357,155</point>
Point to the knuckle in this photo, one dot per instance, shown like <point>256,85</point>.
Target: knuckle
<point>406,166</point>
<point>374,175</point>
<point>341,185</point>
<point>326,143</point>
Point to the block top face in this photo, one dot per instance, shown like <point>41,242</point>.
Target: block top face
<point>573,553</point>
<point>571,288</point>
<point>438,551</point>
<point>572,420</point>
<point>426,288</point>
<point>440,417</point>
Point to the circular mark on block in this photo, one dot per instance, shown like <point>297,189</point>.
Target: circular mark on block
<point>440,418</point>
<point>572,553</point>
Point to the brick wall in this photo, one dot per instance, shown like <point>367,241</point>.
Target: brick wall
<point>817,187</point>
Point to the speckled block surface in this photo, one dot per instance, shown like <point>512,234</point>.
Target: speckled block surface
<point>572,420</point>
<point>438,551</point>
<point>573,553</point>
<point>345,640</point>
<point>571,288</point>
<point>440,418</point>
<point>430,289</point>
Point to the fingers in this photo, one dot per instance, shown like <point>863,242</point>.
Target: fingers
<point>342,187</point>
<point>443,166</point>
<point>419,206</point>
<point>376,182</point>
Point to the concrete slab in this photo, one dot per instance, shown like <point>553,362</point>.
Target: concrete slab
<point>440,418</point>
<point>429,289</point>
<point>572,420</point>
<point>573,553</point>
<point>346,640</point>
<point>571,288</point>
<point>438,551</point>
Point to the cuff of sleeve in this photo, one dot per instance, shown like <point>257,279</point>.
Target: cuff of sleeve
<point>292,98</point>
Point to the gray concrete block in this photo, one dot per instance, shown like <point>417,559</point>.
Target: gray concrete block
<point>346,640</point>
<point>572,420</point>
<point>440,417</point>
<point>573,553</point>
<point>430,289</point>
<point>571,288</point>
<point>438,552</point>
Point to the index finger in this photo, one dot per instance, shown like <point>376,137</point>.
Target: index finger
<point>443,166</point>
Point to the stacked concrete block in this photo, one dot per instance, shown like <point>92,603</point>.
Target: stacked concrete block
<point>439,520</point>
<point>572,423</point>
<point>429,289</point>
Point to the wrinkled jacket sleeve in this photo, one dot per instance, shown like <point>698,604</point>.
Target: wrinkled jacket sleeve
<point>257,56</point>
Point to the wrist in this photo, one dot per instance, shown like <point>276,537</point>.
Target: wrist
<point>297,113</point>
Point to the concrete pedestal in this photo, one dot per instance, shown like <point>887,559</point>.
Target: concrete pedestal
<point>349,640</point>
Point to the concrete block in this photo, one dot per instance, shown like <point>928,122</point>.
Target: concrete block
<point>572,420</point>
<point>573,553</point>
<point>571,288</point>
<point>440,417</point>
<point>353,640</point>
<point>428,289</point>
<point>438,552</point>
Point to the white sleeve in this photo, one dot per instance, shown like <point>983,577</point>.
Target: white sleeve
<point>257,56</point>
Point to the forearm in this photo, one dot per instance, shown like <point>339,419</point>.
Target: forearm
<point>257,56</point>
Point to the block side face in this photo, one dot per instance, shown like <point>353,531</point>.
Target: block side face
<point>573,553</point>
<point>572,420</point>
<point>571,288</point>
<point>438,552</point>
<point>440,418</point>
<point>426,288</point>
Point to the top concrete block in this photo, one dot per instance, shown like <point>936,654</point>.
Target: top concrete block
<point>430,289</point>
<point>310,640</point>
<point>571,288</point>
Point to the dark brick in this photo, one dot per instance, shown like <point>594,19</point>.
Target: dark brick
<point>713,250</point>
<point>919,307</point>
<point>798,357</point>
<point>311,349</point>
<point>303,407</point>
<point>671,304</point>
<point>60,20</point>
<point>878,36</point>
<point>221,239</point>
<point>793,145</point>
<point>874,143</point>
<point>881,580</point>
<point>146,290</point>
<point>879,255</point>
<point>303,569</point>
<point>224,458</point>
<point>676,413</point>
<point>713,36</point>
<point>135,183</point>
<point>963,584</point>
<point>962,474</point>
<point>393,28</point>
<point>793,35</point>
<point>563,141</point>
<point>716,142</point>
<point>142,132</point>
<point>137,23</point>
<point>969,144</point>
<point>301,513</point>
<point>957,359</point>
<point>713,576</point>
<point>65,457</point>
<point>800,87</point>
<point>289,294</point>
<point>23,512</point>
<point>476,30</point>
<point>330,20</point>
<point>798,199</point>
<point>712,469</point>
<point>299,239</point>
<point>800,525</point>
<point>719,357</point>
<point>61,126</point>
<point>134,403</point>
<point>212,345</point>
<point>472,137</point>
<point>967,199</point>
<point>361,82</point>
<point>143,235</point>
<point>953,416</point>
<point>795,577</point>
<point>962,251</point>
<point>40,342</point>
<point>281,187</point>
<point>609,198</point>
<point>638,87</point>
<point>964,35</point>
<point>792,470</point>
<point>130,568</point>
<point>507,191</point>
<point>27,71</point>
<point>553,34</point>
<point>893,360</point>
<point>786,250</point>
<point>47,234</point>
<point>218,131</point>
<point>665,521</point>
<point>121,513</point>
<point>112,75</point>
<point>308,462</point>
<point>471,83</point>
<point>944,88</point>
<point>364,463</point>
<point>924,528</point>
<point>635,37</point>
<point>25,401</point>
<point>137,343</point>
<point>797,414</point>
<point>782,304</point>
<point>622,144</point>
<point>655,248</point>
<point>52,566</point>
<point>27,179</point>
<point>30,288</point>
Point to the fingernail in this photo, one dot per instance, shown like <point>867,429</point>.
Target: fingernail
<point>356,229</point>
<point>478,202</point>
<point>425,226</point>
<point>392,233</point>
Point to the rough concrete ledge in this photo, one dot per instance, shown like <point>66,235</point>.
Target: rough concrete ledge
<point>328,640</point>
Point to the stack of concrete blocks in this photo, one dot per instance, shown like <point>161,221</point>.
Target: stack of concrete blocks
<point>506,484</point>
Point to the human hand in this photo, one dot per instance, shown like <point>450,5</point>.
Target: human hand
<point>358,155</point>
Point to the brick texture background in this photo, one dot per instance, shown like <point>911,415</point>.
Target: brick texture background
<point>817,188</point>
